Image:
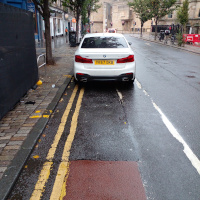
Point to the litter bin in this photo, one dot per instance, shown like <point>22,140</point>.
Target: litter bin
<point>72,38</point>
<point>162,35</point>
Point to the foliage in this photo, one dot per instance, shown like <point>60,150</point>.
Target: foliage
<point>89,7</point>
<point>140,7</point>
<point>76,6</point>
<point>84,17</point>
<point>160,8</point>
<point>81,8</point>
<point>92,6</point>
<point>180,39</point>
<point>182,14</point>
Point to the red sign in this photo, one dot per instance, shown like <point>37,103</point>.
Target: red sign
<point>193,38</point>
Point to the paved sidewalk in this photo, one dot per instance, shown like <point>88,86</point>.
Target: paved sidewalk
<point>21,127</point>
<point>150,37</point>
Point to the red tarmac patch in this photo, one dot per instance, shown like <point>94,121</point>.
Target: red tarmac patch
<point>104,180</point>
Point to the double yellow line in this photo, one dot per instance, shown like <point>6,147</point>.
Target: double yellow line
<point>58,191</point>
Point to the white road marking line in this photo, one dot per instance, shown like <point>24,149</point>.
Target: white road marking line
<point>188,152</point>
<point>138,84</point>
<point>120,96</point>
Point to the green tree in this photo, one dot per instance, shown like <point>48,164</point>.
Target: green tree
<point>92,6</point>
<point>89,7</point>
<point>43,8</point>
<point>76,6</point>
<point>140,7</point>
<point>182,14</point>
<point>160,8</point>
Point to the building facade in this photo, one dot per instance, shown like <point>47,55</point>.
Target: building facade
<point>59,20</point>
<point>193,25</point>
<point>112,14</point>
<point>117,14</point>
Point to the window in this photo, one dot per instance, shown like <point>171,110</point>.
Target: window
<point>59,26</point>
<point>170,15</point>
<point>199,13</point>
<point>104,42</point>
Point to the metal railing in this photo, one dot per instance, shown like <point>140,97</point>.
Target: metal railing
<point>43,64</point>
<point>42,55</point>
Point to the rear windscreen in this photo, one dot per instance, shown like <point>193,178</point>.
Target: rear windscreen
<point>104,42</point>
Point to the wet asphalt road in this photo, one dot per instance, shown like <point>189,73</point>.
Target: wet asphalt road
<point>152,124</point>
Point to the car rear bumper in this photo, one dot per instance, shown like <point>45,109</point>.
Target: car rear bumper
<point>122,77</point>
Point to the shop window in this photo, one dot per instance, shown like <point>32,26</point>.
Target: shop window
<point>59,26</point>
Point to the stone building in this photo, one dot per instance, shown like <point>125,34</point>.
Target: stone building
<point>193,25</point>
<point>112,14</point>
<point>117,14</point>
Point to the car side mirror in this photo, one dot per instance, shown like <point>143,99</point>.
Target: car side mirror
<point>130,43</point>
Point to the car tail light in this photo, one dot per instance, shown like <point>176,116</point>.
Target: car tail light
<point>82,60</point>
<point>127,59</point>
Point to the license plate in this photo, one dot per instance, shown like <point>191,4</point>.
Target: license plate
<point>104,62</point>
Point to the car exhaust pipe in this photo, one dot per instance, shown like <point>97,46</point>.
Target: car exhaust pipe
<point>125,79</point>
<point>84,80</point>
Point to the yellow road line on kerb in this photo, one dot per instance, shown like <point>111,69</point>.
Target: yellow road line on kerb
<point>45,172</point>
<point>59,190</point>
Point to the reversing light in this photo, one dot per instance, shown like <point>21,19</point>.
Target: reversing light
<point>129,73</point>
<point>82,60</point>
<point>130,58</point>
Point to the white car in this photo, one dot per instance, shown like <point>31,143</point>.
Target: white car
<point>104,56</point>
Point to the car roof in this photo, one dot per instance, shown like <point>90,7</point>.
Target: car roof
<point>103,34</point>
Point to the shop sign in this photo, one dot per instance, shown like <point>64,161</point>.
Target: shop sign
<point>59,15</point>
<point>73,20</point>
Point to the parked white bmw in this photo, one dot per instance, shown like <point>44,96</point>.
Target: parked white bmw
<point>104,56</point>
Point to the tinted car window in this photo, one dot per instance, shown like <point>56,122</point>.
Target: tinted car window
<point>104,42</point>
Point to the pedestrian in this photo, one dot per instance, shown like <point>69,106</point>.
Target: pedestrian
<point>66,31</point>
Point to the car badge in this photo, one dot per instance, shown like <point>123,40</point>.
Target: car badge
<point>104,56</point>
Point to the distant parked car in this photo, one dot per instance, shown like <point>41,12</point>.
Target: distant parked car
<point>104,56</point>
<point>111,30</point>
